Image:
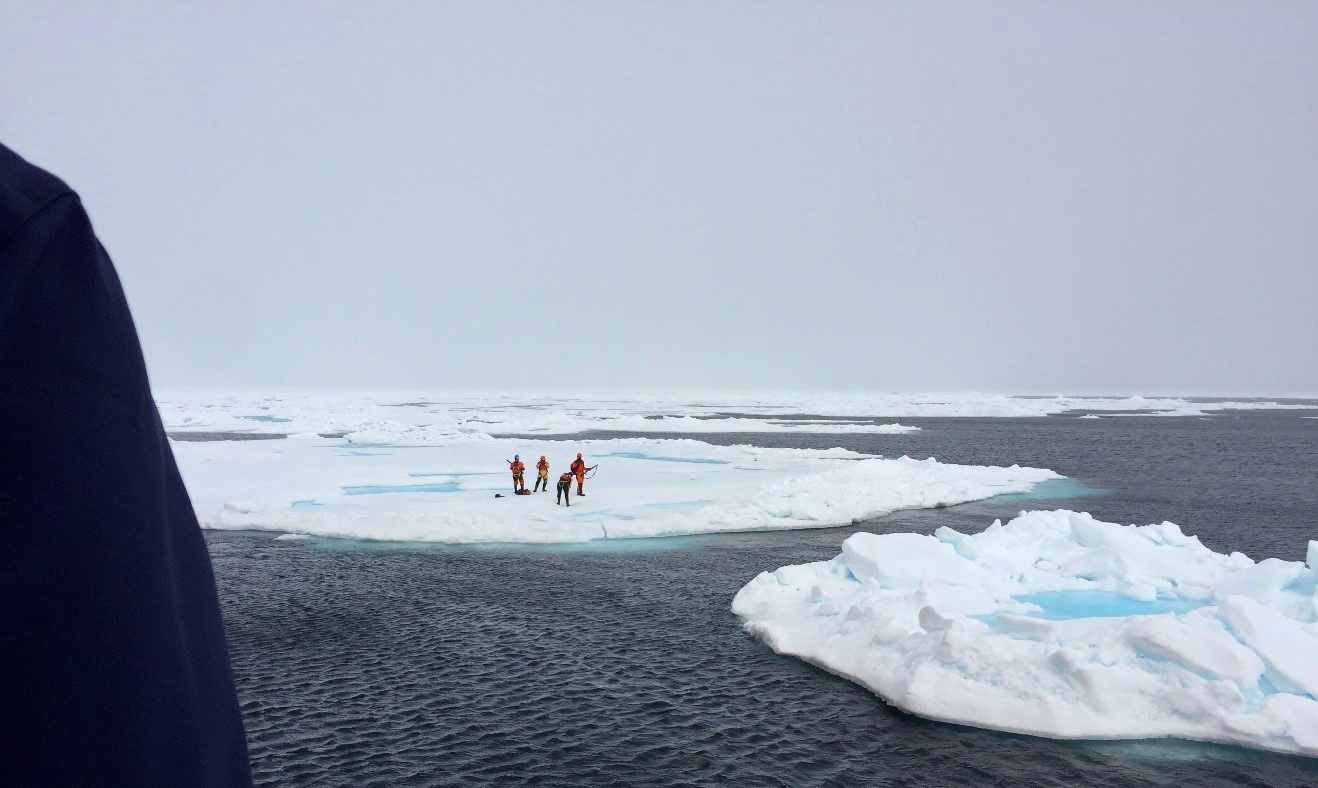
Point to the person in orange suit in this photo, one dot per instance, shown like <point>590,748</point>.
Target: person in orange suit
<point>579,470</point>
<point>517,466</point>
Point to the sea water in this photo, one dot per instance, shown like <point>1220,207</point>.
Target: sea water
<point>417,665</point>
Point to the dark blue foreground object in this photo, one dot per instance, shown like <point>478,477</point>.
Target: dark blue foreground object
<point>113,664</point>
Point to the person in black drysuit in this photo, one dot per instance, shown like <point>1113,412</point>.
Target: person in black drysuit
<point>114,670</point>
<point>564,494</point>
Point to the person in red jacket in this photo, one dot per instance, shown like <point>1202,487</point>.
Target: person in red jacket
<point>517,466</point>
<point>579,470</point>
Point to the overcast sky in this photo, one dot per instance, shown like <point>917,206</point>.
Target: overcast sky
<point>1001,196</point>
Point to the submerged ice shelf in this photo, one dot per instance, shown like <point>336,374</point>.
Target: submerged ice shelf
<point>643,488</point>
<point>1060,625</point>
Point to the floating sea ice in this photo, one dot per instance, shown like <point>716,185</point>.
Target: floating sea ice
<point>440,417</point>
<point>646,488</point>
<point>1060,625</point>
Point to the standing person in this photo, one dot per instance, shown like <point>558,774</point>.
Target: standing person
<point>542,477</point>
<point>579,469</point>
<point>517,466</point>
<point>564,494</point>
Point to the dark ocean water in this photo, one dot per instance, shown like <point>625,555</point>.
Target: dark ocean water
<point>364,664</point>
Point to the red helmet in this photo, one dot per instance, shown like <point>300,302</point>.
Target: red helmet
<point>578,455</point>
<point>542,456</point>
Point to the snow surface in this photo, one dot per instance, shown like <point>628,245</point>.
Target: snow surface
<point>644,487</point>
<point>441,416</point>
<point>1060,625</point>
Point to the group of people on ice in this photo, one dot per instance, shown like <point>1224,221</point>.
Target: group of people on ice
<point>577,469</point>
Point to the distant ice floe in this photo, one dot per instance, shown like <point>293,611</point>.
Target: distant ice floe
<point>433,417</point>
<point>1059,625</point>
<point>643,488</point>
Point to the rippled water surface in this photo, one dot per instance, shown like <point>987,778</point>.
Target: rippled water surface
<point>365,664</point>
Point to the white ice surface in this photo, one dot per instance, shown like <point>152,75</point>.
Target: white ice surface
<point>439,416</point>
<point>643,487</point>
<point>1059,625</point>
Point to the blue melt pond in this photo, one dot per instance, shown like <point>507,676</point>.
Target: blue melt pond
<point>379,489</point>
<point>1066,605</point>
<point>305,503</point>
<point>446,473</point>
<point>636,455</point>
<point>267,419</point>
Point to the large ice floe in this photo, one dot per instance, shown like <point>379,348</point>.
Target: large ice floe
<point>1060,625</point>
<point>425,464</point>
<point>445,492</point>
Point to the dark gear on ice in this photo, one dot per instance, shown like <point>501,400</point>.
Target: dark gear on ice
<point>114,669</point>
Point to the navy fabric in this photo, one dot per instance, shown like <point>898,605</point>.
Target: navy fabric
<point>113,665</point>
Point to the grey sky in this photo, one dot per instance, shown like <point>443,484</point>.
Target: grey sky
<point>1013,196</point>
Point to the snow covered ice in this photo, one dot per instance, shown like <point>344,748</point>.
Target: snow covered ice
<point>644,487</point>
<point>424,465</point>
<point>445,414</point>
<point>1060,625</point>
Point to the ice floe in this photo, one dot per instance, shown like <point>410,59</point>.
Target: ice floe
<point>1060,625</point>
<point>643,487</point>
